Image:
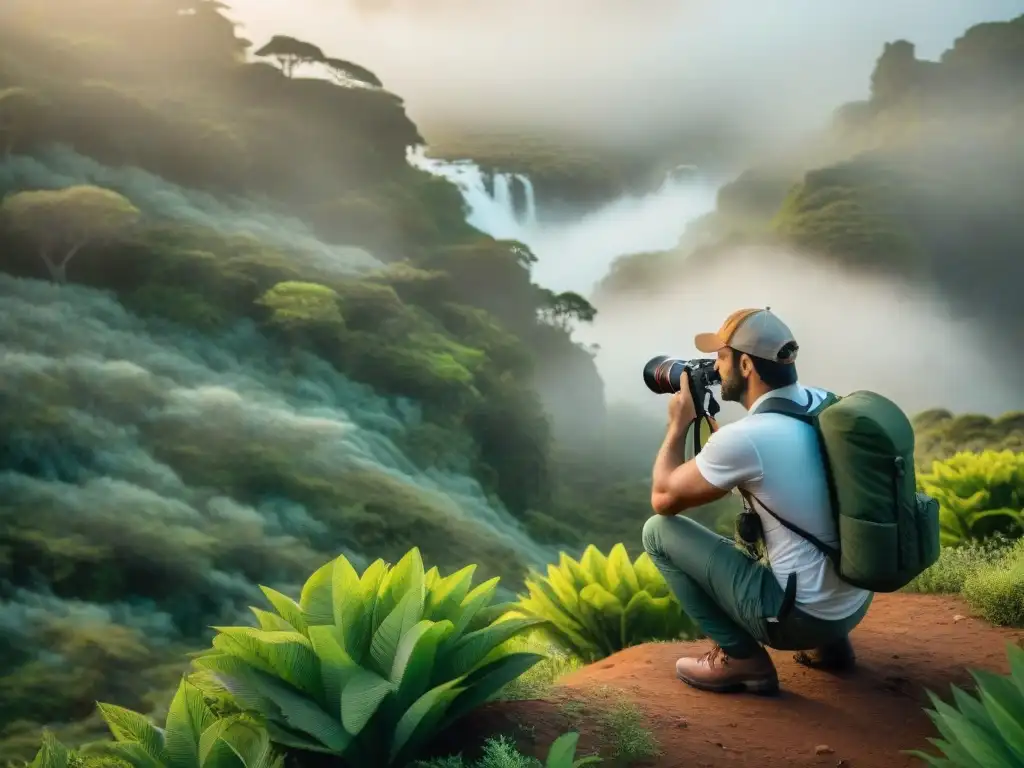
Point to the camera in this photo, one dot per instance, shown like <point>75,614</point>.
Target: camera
<point>664,375</point>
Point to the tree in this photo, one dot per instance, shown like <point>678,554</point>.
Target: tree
<point>61,222</point>
<point>290,52</point>
<point>560,309</point>
<point>345,73</point>
<point>524,255</point>
<point>21,111</point>
<point>297,304</point>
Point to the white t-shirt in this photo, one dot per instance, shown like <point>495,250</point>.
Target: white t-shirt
<point>777,459</point>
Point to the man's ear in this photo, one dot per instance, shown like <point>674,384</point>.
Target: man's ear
<point>746,365</point>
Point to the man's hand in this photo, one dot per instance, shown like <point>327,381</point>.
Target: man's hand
<point>681,408</point>
<point>678,485</point>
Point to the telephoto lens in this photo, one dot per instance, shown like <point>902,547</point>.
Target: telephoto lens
<point>662,374</point>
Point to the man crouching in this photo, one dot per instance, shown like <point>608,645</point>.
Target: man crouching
<point>798,602</point>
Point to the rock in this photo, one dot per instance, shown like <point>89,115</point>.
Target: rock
<point>823,749</point>
<point>958,617</point>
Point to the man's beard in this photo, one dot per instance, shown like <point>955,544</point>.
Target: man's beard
<point>734,388</point>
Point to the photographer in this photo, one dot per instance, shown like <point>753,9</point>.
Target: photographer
<point>795,602</point>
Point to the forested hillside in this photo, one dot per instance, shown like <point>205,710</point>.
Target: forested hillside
<point>241,335</point>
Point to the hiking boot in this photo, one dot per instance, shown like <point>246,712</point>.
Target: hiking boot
<point>717,671</point>
<point>834,657</point>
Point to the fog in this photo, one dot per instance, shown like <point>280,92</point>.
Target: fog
<point>855,331</point>
<point>132,435</point>
<point>627,73</point>
<point>59,166</point>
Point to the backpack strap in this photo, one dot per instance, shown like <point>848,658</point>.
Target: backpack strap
<point>826,550</point>
<point>786,407</point>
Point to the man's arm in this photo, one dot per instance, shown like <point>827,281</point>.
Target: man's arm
<point>678,485</point>
<point>726,460</point>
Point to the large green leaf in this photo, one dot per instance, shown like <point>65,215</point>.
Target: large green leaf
<point>271,621</point>
<point>488,679</point>
<point>128,726</point>
<point>603,613</point>
<point>300,713</point>
<point>336,666</point>
<point>595,566</point>
<point>250,744</point>
<point>471,649</point>
<point>239,678</point>
<point>976,741</point>
<point>401,620</point>
<point>622,580</point>
<point>414,659</point>
<point>649,577</point>
<point>563,592</point>
<point>51,754</point>
<point>445,596</point>
<point>289,610</point>
<point>288,655</point>
<point>476,600</point>
<point>361,697</point>
<point>562,753</point>
<point>317,597</point>
<point>1004,705</point>
<point>573,570</point>
<point>421,720</point>
<point>406,577</point>
<point>187,718</point>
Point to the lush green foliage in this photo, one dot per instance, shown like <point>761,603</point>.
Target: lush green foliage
<point>368,667</point>
<point>979,494</point>
<point>602,604</point>
<point>193,737</point>
<point>502,753</point>
<point>985,730</point>
<point>275,225</point>
<point>989,574</point>
<point>939,434</point>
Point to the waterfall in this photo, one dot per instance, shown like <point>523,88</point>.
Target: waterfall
<point>491,197</point>
<point>575,252</point>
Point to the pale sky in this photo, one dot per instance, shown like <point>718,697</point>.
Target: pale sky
<point>603,66</point>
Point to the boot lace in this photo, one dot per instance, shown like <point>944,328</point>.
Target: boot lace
<point>715,656</point>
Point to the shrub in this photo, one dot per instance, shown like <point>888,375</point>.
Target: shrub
<point>600,605</point>
<point>368,667</point>
<point>979,494</point>
<point>956,564</point>
<point>996,591</point>
<point>193,737</point>
<point>502,753</point>
<point>985,730</point>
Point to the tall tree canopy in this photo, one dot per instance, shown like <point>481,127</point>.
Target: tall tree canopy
<point>59,223</point>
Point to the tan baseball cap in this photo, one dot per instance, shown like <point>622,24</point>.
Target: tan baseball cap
<point>758,332</point>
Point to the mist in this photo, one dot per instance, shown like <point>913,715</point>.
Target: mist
<point>111,421</point>
<point>752,74</point>
<point>856,331</point>
<point>60,166</point>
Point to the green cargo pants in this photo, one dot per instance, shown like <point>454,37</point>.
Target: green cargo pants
<point>730,595</point>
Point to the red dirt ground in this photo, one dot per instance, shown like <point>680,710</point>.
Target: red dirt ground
<point>860,720</point>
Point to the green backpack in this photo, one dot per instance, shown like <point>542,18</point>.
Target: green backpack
<point>888,531</point>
